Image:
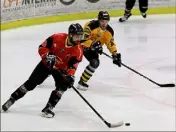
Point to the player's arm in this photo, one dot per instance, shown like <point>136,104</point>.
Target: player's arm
<point>110,41</point>
<point>73,62</point>
<point>112,47</point>
<point>45,47</point>
<point>72,66</point>
<point>44,51</point>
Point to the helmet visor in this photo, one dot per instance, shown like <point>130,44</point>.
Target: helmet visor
<point>77,37</point>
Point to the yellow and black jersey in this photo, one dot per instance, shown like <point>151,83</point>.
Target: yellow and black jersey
<point>93,33</point>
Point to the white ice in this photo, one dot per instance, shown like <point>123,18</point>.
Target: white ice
<point>147,45</point>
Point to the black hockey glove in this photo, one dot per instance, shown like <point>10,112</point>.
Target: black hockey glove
<point>50,60</point>
<point>69,80</point>
<point>97,47</point>
<point>72,61</point>
<point>117,59</point>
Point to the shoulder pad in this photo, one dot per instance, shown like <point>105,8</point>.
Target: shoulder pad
<point>93,24</point>
<point>110,30</point>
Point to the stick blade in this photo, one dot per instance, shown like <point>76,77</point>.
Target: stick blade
<point>167,85</point>
<point>113,125</point>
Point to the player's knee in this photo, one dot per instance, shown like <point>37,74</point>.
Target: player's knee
<point>40,82</point>
<point>30,85</point>
<point>95,63</point>
<point>61,87</point>
<point>143,9</point>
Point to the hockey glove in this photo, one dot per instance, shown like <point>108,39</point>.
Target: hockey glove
<point>72,61</point>
<point>69,80</point>
<point>50,60</point>
<point>97,47</point>
<point>117,59</point>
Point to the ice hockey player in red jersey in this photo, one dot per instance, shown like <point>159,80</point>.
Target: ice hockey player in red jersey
<point>60,55</point>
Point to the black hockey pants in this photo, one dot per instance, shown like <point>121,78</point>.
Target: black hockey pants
<point>37,77</point>
<point>143,5</point>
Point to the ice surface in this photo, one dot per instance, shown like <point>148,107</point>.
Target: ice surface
<point>147,45</point>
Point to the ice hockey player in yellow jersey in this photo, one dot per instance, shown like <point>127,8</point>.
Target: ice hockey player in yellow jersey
<point>97,33</point>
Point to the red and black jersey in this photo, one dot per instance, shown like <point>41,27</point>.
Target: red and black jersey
<point>67,57</point>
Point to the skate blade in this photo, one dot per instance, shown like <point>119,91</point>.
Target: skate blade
<point>122,20</point>
<point>47,115</point>
<point>3,111</point>
<point>82,88</point>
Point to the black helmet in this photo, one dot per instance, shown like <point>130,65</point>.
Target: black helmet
<point>75,29</point>
<point>103,15</point>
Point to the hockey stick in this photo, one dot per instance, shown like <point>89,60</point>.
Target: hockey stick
<point>161,85</point>
<point>110,125</point>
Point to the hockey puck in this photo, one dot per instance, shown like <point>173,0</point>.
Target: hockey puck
<point>127,124</point>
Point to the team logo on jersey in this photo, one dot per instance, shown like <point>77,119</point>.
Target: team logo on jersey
<point>54,44</point>
<point>68,55</point>
<point>62,50</point>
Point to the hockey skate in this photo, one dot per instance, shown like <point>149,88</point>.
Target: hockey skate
<point>7,104</point>
<point>47,111</point>
<point>143,14</point>
<point>125,17</point>
<point>82,85</point>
